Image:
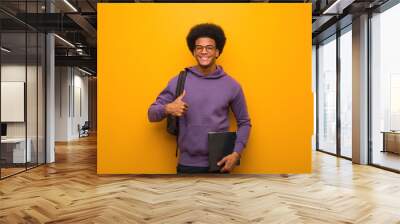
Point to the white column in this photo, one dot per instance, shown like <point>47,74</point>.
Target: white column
<point>50,92</point>
<point>50,100</point>
<point>360,90</point>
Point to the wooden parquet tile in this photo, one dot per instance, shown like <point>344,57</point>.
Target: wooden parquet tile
<point>70,191</point>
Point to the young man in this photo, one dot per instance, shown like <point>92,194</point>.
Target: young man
<point>204,105</point>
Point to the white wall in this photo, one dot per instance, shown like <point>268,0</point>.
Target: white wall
<point>314,90</point>
<point>16,73</point>
<point>71,94</point>
<point>81,102</point>
<point>62,78</point>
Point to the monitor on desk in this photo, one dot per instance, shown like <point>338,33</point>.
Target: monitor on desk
<point>3,130</point>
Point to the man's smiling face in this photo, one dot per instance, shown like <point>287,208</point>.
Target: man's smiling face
<point>205,52</point>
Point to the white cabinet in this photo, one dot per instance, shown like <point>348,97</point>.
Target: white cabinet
<point>17,147</point>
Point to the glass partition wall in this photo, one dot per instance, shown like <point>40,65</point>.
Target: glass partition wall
<point>22,88</point>
<point>334,103</point>
<point>385,89</point>
<point>334,94</point>
<point>345,62</point>
<point>327,95</point>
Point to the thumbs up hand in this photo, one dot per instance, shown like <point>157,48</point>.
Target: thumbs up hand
<point>177,107</point>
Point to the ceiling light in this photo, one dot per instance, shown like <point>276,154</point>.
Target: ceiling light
<point>337,7</point>
<point>5,50</point>
<point>65,41</point>
<point>84,71</point>
<point>70,5</point>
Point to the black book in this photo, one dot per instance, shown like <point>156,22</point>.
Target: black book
<point>220,144</point>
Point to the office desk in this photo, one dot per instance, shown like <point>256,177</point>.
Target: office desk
<point>391,141</point>
<point>13,150</point>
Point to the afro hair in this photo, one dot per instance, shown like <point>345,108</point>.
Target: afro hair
<point>209,30</point>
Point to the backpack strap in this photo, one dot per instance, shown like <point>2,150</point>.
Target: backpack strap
<point>179,90</point>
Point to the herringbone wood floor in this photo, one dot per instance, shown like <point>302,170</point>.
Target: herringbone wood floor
<point>69,191</point>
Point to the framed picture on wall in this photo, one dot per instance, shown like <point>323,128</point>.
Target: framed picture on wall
<point>12,101</point>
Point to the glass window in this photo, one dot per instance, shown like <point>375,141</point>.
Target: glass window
<point>346,93</point>
<point>385,88</point>
<point>327,96</point>
<point>31,86</point>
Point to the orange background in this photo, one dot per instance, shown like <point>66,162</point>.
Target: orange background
<point>141,46</point>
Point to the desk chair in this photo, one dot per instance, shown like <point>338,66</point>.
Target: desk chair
<point>84,130</point>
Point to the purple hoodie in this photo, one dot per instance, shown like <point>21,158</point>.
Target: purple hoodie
<point>209,99</point>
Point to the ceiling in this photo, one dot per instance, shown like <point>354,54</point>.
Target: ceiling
<point>332,15</point>
<point>76,22</point>
<point>72,20</point>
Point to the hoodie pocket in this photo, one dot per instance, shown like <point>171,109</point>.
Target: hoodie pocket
<point>195,140</point>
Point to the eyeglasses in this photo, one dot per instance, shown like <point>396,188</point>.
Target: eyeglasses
<point>209,48</point>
